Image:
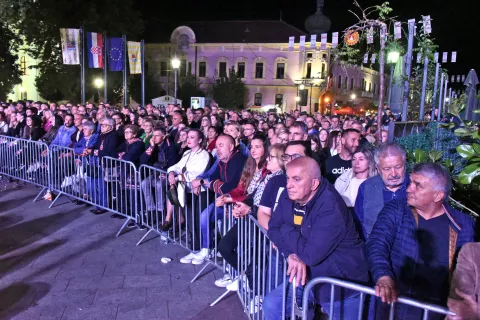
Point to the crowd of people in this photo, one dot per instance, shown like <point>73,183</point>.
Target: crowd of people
<point>334,200</point>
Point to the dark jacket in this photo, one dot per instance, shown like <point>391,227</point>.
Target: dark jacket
<point>131,151</point>
<point>226,176</point>
<point>326,239</point>
<point>393,248</point>
<point>107,145</point>
<point>162,156</point>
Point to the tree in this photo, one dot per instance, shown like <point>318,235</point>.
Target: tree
<point>189,88</point>
<point>38,23</point>
<point>230,92</point>
<point>152,88</point>
<point>10,73</point>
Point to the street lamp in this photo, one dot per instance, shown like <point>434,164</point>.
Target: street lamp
<point>98,83</point>
<point>302,87</point>
<point>353,96</point>
<point>392,58</point>
<point>175,65</point>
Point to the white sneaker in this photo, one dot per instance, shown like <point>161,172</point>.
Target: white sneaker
<point>255,305</point>
<point>224,282</point>
<point>233,286</point>
<point>200,256</point>
<point>188,258</point>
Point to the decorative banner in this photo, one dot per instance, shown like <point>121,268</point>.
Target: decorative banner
<point>458,78</point>
<point>365,58</point>
<point>463,78</point>
<point>419,57</point>
<point>70,39</point>
<point>95,49</point>
<point>323,41</point>
<point>302,43</point>
<point>334,39</point>
<point>374,56</point>
<point>445,57</point>
<point>134,57</point>
<point>291,42</point>
<point>436,57</point>
<point>454,56</point>
<point>370,36</point>
<point>427,25</point>
<point>452,78</point>
<point>351,38</point>
<point>397,30</point>
<point>115,54</point>
<point>313,41</point>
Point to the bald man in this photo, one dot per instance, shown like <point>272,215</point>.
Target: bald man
<point>313,228</point>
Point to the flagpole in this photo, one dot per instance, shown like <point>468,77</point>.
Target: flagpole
<point>424,88</point>
<point>105,52</point>
<point>124,70</point>
<point>142,48</point>
<point>408,68</point>
<point>82,70</point>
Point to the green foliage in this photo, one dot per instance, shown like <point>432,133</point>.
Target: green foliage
<point>230,92</point>
<point>189,88</point>
<point>38,24</point>
<point>10,72</point>
<point>153,88</point>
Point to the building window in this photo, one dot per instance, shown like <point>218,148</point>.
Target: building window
<point>370,87</point>
<point>345,83</point>
<point>323,71</point>
<point>364,84</point>
<point>339,82</point>
<point>189,68</point>
<point>183,68</point>
<point>279,99</point>
<point>374,88</point>
<point>222,69</point>
<point>259,73</point>
<point>163,69</point>
<point>23,65</point>
<point>258,98</point>
<point>241,69</point>
<point>202,69</point>
<point>352,82</point>
<point>280,70</point>
<point>309,55</point>
<point>309,71</point>
<point>324,56</point>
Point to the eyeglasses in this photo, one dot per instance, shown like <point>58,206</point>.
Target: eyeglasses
<point>270,157</point>
<point>105,125</point>
<point>128,131</point>
<point>290,157</point>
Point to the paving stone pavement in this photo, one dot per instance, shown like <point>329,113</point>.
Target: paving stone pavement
<point>65,263</point>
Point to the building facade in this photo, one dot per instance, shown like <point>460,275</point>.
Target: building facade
<point>26,90</point>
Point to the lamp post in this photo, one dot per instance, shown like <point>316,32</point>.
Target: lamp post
<point>98,83</point>
<point>175,65</point>
<point>392,59</point>
<point>297,100</point>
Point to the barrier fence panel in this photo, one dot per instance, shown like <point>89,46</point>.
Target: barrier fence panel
<point>25,160</point>
<point>364,291</point>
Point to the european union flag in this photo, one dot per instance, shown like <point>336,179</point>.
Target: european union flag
<point>115,54</point>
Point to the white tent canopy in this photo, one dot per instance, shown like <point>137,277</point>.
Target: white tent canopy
<point>165,100</point>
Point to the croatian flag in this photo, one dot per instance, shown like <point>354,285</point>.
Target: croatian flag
<point>95,49</point>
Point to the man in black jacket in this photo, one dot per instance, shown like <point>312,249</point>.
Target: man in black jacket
<point>161,154</point>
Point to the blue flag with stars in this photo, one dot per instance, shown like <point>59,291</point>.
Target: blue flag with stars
<point>115,54</point>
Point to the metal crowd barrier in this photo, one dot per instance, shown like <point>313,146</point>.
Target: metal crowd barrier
<point>363,290</point>
<point>25,160</point>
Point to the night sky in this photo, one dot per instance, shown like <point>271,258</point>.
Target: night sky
<point>454,22</point>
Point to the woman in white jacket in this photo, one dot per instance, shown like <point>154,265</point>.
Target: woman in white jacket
<point>192,164</point>
<point>363,167</point>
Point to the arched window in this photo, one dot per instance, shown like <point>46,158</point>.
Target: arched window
<point>257,99</point>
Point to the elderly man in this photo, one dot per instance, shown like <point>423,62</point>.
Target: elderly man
<point>390,184</point>
<point>335,166</point>
<point>413,244</point>
<point>313,228</point>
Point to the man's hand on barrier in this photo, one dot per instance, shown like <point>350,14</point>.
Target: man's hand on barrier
<point>78,162</point>
<point>19,151</point>
<point>44,153</point>
<point>87,152</point>
<point>222,200</point>
<point>464,309</point>
<point>196,191</point>
<point>385,289</point>
<point>296,268</point>
<point>195,183</point>
<point>240,209</point>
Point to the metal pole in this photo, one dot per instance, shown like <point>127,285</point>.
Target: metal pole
<point>311,87</point>
<point>424,88</point>
<point>142,48</point>
<point>435,86</point>
<point>390,88</point>
<point>440,98</point>
<point>383,33</point>
<point>105,53</point>
<point>125,57</point>
<point>445,90</point>
<point>82,70</point>
<point>408,67</point>
<point>176,75</point>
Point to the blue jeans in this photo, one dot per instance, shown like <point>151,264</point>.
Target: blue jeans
<point>206,218</point>
<point>97,191</point>
<point>345,309</point>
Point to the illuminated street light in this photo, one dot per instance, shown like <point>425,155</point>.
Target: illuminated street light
<point>353,96</point>
<point>302,87</point>
<point>98,83</point>
<point>393,57</point>
<point>327,99</point>
<point>176,65</point>
<point>297,99</point>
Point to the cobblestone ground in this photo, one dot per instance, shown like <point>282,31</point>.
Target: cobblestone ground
<point>66,263</point>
